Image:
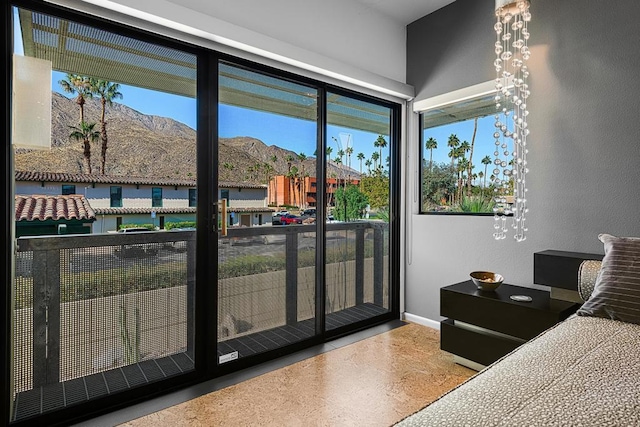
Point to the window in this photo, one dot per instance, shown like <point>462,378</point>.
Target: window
<point>224,194</point>
<point>193,197</point>
<point>156,197</point>
<point>458,152</point>
<point>116,197</point>
<point>68,189</point>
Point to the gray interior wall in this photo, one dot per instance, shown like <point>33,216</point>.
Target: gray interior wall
<point>584,143</point>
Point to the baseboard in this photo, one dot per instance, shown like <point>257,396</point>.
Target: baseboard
<point>421,320</point>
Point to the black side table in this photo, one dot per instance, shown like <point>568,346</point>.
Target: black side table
<point>482,326</point>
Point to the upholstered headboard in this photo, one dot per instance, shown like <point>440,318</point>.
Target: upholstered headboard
<point>559,270</point>
<point>587,276</point>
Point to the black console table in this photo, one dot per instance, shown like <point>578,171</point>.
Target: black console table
<point>482,326</point>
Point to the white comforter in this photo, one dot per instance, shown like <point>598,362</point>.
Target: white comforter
<point>583,372</point>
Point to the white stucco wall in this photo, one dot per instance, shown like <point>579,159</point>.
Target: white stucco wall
<point>246,197</point>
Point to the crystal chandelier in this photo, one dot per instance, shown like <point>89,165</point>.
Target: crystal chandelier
<point>512,92</point>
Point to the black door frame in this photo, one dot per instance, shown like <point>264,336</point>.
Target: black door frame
<point>205,319</point>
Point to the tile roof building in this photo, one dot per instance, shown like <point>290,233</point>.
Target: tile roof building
<point>43,207</point>
<point>53,214</point>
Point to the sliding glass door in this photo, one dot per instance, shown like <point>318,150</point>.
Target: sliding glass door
<point>104,162</point>
<point>176,214</point>
<point>357,185</point>
<point>267,233</point>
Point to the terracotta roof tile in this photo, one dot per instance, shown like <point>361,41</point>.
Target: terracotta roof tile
<point>249,210</point>
<point>109,179</point>
<point>159,211</point>
<point>41,208</point>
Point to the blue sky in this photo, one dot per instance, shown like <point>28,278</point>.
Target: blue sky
<point>289,133</point>
<point>272,129</point>
<point>484,144</point>
<point>295,134</point>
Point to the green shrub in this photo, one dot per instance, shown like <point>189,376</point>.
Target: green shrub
<point>475,204</point>
<point>149,226</point>
<point>180,224</point>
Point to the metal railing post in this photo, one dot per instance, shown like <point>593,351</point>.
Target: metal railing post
<point>191,296</point>
<point>46,317</point>
<point>359,266</point>
<point>292,278</point>
<point>378,266</point>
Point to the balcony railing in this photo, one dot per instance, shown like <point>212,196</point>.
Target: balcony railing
<point>100,313</point>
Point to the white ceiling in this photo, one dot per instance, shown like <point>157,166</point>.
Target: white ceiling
<point>405,11</point>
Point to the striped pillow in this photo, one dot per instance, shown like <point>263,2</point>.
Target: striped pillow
<point>617,290</point>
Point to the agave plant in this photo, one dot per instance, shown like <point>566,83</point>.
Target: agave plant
<point>475,204</point>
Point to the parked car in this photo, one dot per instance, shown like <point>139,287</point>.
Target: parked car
<point>308,213</point>
<point>290,219</point>
<point>276,219</point>
<point>137,249</point>
<point>181,245</point>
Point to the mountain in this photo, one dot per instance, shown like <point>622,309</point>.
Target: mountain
<point>151,146</point>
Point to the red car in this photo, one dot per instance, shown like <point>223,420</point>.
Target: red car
<point>287,219</point>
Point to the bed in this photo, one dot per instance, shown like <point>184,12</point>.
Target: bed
<point>585,371</point>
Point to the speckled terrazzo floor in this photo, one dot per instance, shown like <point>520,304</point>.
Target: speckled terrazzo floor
<point>374,382</point>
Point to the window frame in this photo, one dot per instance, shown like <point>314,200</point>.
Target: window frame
<point>113,202</point>
<point>448,99</point>
<point>67,189</point>
<point>156,202</point>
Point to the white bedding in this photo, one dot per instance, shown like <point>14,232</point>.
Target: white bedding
<point>584,371</point>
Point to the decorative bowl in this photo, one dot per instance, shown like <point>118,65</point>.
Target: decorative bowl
<point>486,280</point>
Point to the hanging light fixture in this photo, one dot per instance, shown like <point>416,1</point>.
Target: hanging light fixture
<point>512,92</point>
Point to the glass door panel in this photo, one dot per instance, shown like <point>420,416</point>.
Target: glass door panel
<point>267,239</point>
<point>102,291</point>
<point>357,221</point>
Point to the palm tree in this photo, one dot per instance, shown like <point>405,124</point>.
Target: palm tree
<point>349,151</point>
<point>293,174</point>
<point>453,143</point>
<point>301,158</point>
<point>367,163</point>
<point>268,172</point>
<point>486,161</point>
<point>289,160</point>
<point>360,157</point>
<point>108,92</point>
<point>473,141</point>
<point>274,160</point>
<point>431,145</point>
<point>380,143</point>
<point>375,156</point>
<point>462,167</point>
<point>87,134</point>
<point>80,85</point>
<point>464,149</point>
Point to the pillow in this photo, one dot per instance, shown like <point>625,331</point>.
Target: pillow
<point>616,294</point>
